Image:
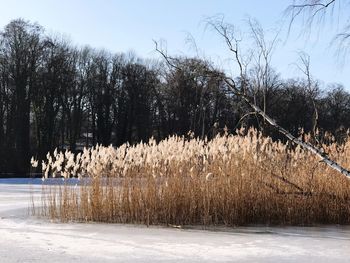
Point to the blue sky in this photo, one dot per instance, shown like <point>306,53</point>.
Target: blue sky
<point>121,26</point>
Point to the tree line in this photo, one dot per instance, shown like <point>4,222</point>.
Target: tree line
<point>56,95</point>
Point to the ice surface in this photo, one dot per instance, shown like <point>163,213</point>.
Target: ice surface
<point>24,238</point>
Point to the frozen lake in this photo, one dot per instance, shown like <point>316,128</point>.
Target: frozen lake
<point>24,238</point>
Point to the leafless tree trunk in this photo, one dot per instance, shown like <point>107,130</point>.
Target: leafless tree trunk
<point>240,89</point>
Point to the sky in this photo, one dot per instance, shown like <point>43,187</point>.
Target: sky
<point>132,25</point>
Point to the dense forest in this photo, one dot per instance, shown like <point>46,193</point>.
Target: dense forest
<point>56,95</point>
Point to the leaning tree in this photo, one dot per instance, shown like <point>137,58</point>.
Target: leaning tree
<point>243,89</point>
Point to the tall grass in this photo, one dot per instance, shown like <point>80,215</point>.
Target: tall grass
<point>230,180</point>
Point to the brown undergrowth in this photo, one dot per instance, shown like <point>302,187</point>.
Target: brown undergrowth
<point>230,180</point>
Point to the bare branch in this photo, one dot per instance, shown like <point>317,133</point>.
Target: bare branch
<point>227,32</point>
<point>313,8</point>
<point>243,117</point>
<point>305,69</point>
<point>315,3</point>
<point>169,60</point>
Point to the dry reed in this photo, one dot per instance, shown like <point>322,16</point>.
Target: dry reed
<point>230,180</point>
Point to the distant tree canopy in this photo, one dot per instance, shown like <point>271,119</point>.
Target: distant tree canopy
<point>53,94</point>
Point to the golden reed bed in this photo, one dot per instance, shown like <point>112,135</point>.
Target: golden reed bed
<point>230,180</point>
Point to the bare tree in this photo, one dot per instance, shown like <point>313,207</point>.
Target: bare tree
<point>261,74</point>
<point>240,87</point>
<point>311,90</point>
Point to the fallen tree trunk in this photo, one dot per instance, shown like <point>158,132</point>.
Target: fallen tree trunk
<point>315,150</point>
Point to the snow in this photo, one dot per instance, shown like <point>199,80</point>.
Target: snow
<point>24,238</point>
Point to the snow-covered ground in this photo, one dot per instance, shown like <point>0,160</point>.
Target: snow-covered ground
<point>24,238</point>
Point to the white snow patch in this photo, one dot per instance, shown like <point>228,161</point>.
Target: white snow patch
<point>27,239</point>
